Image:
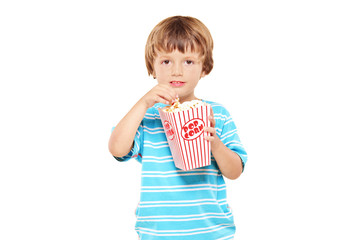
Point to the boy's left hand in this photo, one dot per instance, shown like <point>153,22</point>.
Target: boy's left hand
<point>229,162</point>
<point>213,138</point>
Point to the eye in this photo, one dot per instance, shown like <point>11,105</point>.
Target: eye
<point>189,62</point>
<point>165,62</point>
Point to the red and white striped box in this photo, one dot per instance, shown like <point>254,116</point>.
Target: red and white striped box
<point>185,134</point>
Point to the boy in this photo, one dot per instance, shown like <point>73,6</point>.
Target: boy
<point>176,204</point>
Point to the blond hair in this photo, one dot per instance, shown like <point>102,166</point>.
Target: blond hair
<point>180,33</point>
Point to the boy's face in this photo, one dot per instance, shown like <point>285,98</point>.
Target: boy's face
<point>181,71</point>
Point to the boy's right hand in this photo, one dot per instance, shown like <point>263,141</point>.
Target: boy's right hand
<point>161,93</point>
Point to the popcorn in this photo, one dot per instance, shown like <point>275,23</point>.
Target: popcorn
<point>178,107</point>
<point>184,128</point>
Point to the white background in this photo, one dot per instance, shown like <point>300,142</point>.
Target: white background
<point>287,71</point>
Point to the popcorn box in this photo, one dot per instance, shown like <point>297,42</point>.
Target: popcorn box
<point>185,134</point>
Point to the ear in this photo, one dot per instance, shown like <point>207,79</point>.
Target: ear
<point>203,74</point>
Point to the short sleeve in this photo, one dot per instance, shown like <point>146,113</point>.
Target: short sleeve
<point>230,138</point>
<point>136,151</point>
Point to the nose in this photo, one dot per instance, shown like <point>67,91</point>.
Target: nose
<point>177,69</point>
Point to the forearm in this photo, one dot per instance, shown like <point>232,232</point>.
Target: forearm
<point>122,137</point>
<point>229,162</point>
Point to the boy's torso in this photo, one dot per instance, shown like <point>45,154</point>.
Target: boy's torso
<point>173,202</point>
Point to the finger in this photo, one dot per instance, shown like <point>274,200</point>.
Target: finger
<point>165,95</point>
<point>168,93</point>
<point>209,138</point>
<point>160,99</point>
<point>169,90</point>
<point>210,130</point>
<point>212,121</point>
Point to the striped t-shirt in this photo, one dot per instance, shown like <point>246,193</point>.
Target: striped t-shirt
<point>176,204</point>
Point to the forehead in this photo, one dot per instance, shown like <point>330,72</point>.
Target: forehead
<point>178,54</point>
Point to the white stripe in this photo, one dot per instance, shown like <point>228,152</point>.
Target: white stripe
<point>184,201</point>
<point>156,147</point>
<point>181,171</point>
<point>178,186</point>
<point>187,230</point>
<point>233,143</point>
<point>185,190</point>
<point>183,234</point>
<point>153,129</point>
<point>228,237</point>
<point>184,216</point>
<point>230,132</point>
<point>219,118</point>
<point>155,132</point>
<point>225,117</point>
<point>156,143</point>
<point>153,157</point>
<point>136,148</point>
<point>223,138</point>
<point>152,118</point>
<point>183,205</point>
<point>158,161</point>
<point>216,105</point>
<point>151,114</point>
<point>231,121</point>
<point>185,174</point>
<point>182,220</point>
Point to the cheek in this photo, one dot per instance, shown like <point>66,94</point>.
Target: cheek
<point>196,74</point>
<point>161,76</point>
<point>161,71</point>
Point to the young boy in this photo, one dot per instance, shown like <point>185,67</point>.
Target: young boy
<point>176,204</point>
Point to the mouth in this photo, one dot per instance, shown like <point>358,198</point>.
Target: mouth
<point>177,83</point>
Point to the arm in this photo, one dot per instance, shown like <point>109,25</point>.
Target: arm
<point>122,138</point>
<point>230,163</point>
